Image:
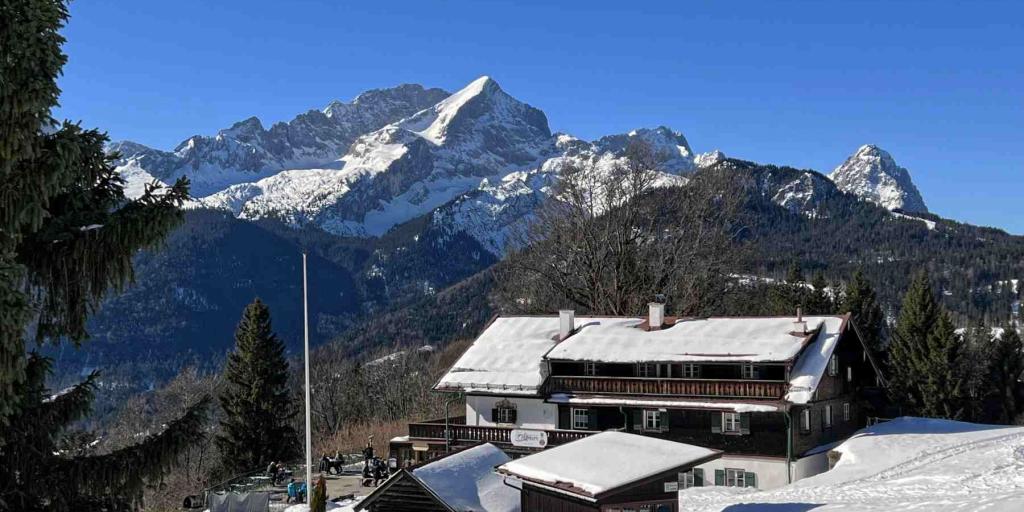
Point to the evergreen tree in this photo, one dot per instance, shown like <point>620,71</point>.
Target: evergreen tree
<point>257,418</point>
<point>860,300</point>
<point>67,238</point>
<point>1005,372</point>
<point>820,300</point>
<point>924,355</point>
<point>318,500</point>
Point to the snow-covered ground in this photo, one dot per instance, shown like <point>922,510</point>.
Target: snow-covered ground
<point>905,464</point>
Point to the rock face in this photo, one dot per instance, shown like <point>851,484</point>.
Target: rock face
<point>872,175</point>
<point>478,161</point>
<point>247,151</point>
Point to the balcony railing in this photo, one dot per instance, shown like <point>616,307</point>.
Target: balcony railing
<point>459,432</point>
<point>669,387</point>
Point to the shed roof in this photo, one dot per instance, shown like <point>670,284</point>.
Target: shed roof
<point>613,460</point>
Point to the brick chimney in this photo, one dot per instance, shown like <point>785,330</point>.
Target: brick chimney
<point>566,323</point>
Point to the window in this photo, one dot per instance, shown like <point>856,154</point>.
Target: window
<point>849,374</point>
<point>652,421</point>
<point>833,365</point>
<point>504,412</point>
<point>735,477</point>
<point>691,371</point>
<point>646,370</point>
<point>590,369</point>
<point>826,419</point>
<point>846,411</point>
<point>730,423</point>
<point>805,420</point>
<point>691,478</point>
<point>748,371</point>
<point>581,419</point>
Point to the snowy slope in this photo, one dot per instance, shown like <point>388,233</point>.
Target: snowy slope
<point>873,175</point>
<point>905,464</point>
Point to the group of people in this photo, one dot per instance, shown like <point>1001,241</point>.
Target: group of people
<point>375,471</point>
<point>336,463</point>
<point>277,472</point>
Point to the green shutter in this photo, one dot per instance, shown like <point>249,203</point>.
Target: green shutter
<point>716,422</point>
<point>745,423</point>
<point>719,477</point>
<point>750,480</point>
<point>494,415</point>
<point>698,477</point>
<point>664,421</point>
<point>638,420</point>
<point>592,419</point>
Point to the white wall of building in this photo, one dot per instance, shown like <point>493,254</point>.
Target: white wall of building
<point>531,412</point>
<point>810,466</point>
<point>771,473</point>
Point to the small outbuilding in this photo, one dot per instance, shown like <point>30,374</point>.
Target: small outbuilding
<point>607,472</point>
<point>462,481</point>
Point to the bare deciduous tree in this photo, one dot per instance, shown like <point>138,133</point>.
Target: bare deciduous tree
<point>610,240</point>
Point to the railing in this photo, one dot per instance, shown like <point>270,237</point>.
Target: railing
<point>669,387</point>
<point>503,435</point>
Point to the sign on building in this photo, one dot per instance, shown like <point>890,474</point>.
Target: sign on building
<point>529,438</point>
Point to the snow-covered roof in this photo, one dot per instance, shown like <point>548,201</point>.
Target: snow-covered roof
<point>807,372</point>
<point>507,358</point>
<point>612,460</point>
<point>717,405</point>
<point>466,480</point>
<point>620,340</point>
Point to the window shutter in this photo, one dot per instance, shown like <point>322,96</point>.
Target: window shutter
<point>592,419</point>
<point>512,416</point>
<point>494,415</point>
<point>638,420</point>
<point>719,477</point>
<point>757,373</point>
<point>745,423</point>
<point>750,480</point>
<point>698,477</point>
<point>664,421</point>
<point>716,422</point>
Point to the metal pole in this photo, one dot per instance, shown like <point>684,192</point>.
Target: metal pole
<point>305,334</point>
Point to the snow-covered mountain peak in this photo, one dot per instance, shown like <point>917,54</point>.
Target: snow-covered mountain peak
<point>872,174</point>
<point>669,146</point>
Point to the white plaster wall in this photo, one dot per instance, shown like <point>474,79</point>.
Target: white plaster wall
<point>530,412</point>
<point>771,473</point>
<point>810,466</point>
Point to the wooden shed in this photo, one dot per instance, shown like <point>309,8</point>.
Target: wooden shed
<point>606,472</point>
<point>462,481</point>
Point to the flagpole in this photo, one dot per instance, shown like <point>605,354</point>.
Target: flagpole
<point>305,333</point>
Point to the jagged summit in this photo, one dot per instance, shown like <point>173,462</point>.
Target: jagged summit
<point>873,175</point>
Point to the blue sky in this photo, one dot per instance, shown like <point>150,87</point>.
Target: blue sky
<point>938,84</point>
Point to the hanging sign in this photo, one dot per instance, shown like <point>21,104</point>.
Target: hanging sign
<point>529,438</point>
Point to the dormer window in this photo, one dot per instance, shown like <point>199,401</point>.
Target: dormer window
<point>504,412</point>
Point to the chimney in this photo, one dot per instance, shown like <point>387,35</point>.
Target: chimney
<point>566,323</point>
<point>800,325</point>
<point>656,315</point>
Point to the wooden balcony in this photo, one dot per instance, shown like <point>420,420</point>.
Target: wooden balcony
<point>697,388</point>
<point>462,433</point>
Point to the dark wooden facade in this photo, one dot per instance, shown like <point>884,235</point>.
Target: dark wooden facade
<point>650,492</point>
<point>689,388</point>
<point>403,493</point>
